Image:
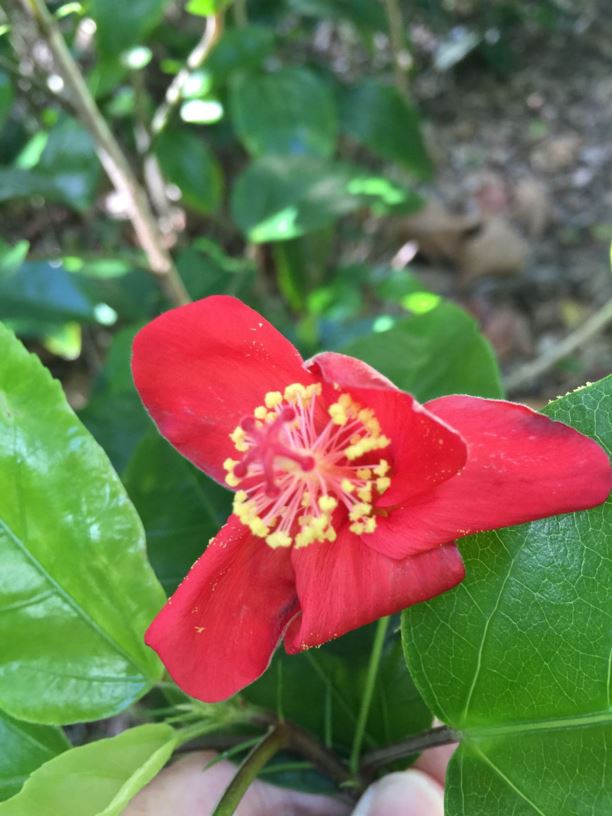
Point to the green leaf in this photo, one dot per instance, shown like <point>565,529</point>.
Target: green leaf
<point>279,198</point>
<point>187,161</point>
<point>76,591</point>
<point>289,112</point>
<point>181,509</point>
<point>98,779</point>
<point>322,690</point>
<point>377,116</point>
<point>43,291</point>
<point>517,656</point>
<point>70,160</point>
<point>439,352</point>
<point>114,413</point>
<point>68,170</point>
<point>120,25</point>
<point>240,49</point>
<point>25,747</point>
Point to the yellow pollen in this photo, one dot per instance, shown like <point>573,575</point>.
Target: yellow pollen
<point>382,468</point>
<point>348,486</point>
<point>359,510</point>
<point>382,484</point>
<point>337,414</point>
<point>294,392</point>
<point>327,503</point>
<point>232,480</point>
<point>238,436</point>
<point>229,464</point>
<point>364,473</point>
<point>278,539</point>
<point>272,399</point>
<point>365,493</point>
<point>261,412</point>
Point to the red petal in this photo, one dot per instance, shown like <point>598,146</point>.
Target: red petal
<point>344,585</point>
<point>201,368</point>
<point>521,466</point>
<point>424,451</point>
<point>219,630</point>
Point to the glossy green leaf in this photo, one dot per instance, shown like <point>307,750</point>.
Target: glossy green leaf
<point>98,779</point>
<point>278,198</point>
<point>120,25</point>
<point>376,115</point>
<point>439,352</point>
<point>43,291</point>
<point>180,507</point>
<point>76,591</point>
<point>289,112</point>
<point>517,656</point>
<point>114,413</point>
<point>322,690</point>
<point>24,748</point>
<point>187,162</point>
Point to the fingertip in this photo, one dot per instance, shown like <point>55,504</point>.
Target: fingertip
<point>406,793</point>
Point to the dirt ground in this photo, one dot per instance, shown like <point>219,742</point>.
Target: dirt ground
<point>524,167</point>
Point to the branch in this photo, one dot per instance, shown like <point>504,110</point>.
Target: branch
<point>374,760</point>
<point>402,61</point>
<point>113,160</point>
<point>527,373</point>
<point>208,40</point>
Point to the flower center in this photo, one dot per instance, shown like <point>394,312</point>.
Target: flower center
<point>302,462</point>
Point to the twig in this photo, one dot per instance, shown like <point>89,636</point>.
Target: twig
<point>368,692</point>
<point>240,13</point>
<point>528,372</point>
<point>402,61</point>
<point>374,760</point>
<point>212,32</point>
<point>110,153</point>
<point>271,744</point>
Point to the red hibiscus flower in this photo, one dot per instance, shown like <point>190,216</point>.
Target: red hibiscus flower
<point>348,493</point>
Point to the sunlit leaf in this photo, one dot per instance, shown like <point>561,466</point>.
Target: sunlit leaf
<point>76,591</point>
<point>98,779</point>
<point>288,112</point>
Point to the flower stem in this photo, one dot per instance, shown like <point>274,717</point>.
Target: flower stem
<point>443,735</point>
<point>366,700</point>
<point>271,744</point>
